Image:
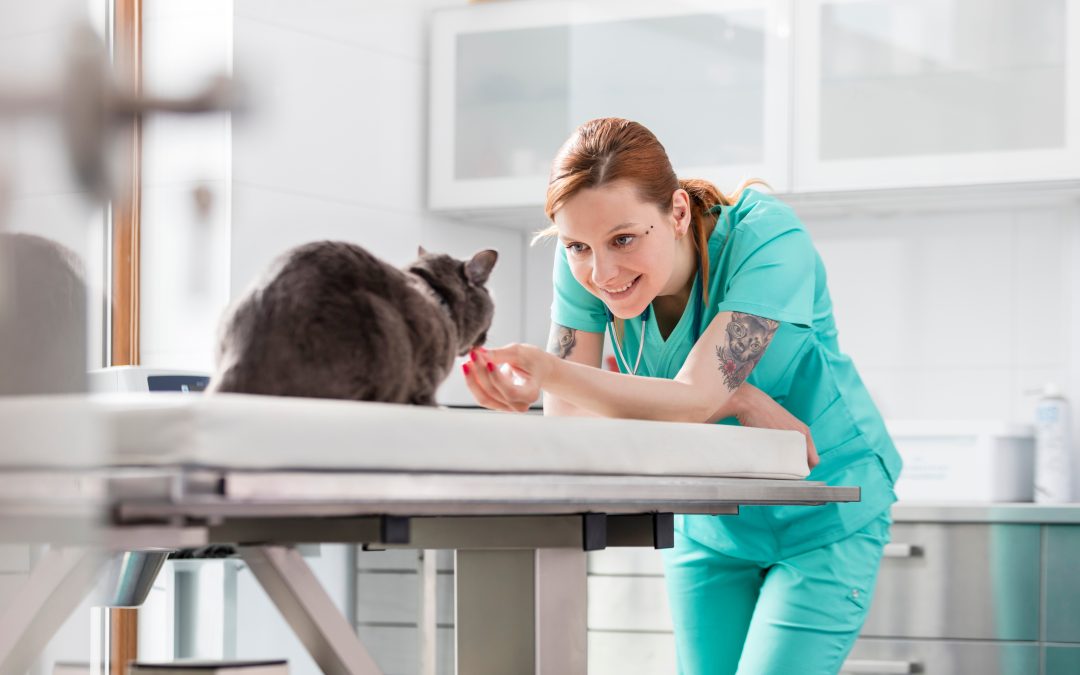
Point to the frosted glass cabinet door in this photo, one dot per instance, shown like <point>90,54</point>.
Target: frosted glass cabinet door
<point>895,93</point>
<point>510,81</point>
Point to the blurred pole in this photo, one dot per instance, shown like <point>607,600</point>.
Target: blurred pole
<point>127,206</point>
<point>126,212</point>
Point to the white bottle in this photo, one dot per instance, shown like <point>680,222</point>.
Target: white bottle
<point>1053,470</point>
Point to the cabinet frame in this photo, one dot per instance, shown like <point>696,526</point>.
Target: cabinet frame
<point>446,192</point>
<point>812,174</point>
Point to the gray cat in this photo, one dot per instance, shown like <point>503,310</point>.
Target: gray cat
<point>330,320</point>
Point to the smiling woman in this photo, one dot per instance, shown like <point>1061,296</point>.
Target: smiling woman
<point>732,323</point>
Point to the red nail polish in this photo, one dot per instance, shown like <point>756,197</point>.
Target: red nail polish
<point>472,354</point>
<point>465,367</point>
<point>491,367</point>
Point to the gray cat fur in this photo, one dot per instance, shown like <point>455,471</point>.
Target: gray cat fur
<point>330,320</point>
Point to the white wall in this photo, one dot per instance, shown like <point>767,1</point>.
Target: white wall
<point>184,253</point>
<point>331,145</point>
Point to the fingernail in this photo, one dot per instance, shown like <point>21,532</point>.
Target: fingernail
<point>491,367</point>
<point>472,354</point>
<point>465,367</point>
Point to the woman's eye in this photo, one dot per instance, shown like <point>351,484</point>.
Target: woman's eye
<point>576,247</point>
<point>624,240</point>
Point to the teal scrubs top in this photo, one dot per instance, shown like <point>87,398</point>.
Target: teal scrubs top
<point>762,262</point>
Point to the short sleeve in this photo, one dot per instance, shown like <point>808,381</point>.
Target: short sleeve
<point>573,306</point>
<point>774,267</point>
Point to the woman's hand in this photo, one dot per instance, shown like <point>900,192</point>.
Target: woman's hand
<point>509,378</point>
<point>755,408</point>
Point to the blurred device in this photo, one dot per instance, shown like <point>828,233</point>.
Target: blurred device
<point>964,461</point>
<point>126,379</point>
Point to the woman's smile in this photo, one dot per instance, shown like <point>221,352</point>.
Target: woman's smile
<point>619,292</point>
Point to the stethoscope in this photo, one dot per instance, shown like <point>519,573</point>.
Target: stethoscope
<point>641,335</point>
<point>641,339</point>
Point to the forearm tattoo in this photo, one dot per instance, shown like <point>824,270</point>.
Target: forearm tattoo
<point>562,340</point>
<point>746,340</point>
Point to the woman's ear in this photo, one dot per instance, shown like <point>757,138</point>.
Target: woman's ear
<point>681,213</point>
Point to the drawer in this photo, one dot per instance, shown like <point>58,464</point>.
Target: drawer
<point>1062,584</point>
<point>631,653</point>
<point>1059,660</point>
<point>962,581</point>
<point>941,657</point>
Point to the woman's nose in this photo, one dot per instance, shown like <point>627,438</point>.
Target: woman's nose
<point>603,271</point>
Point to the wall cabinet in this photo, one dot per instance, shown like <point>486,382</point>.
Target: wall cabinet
<point>813,95</point>
<point>510,81</point>
<point>935,92</point>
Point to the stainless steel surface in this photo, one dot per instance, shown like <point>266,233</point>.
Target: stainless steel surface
<point>465,488</point>
<point>902,551</point>
<point>1062,581</point>
<point>304,604</point>
<point>945,657</point>
<point>561,612</point>
<point>972,581</point>
<point>1061,660</point>
<point>495,631</point>
<point>57,584</point>
<point>521,612</point>
<point>881,667</point>
<point>427,614</point>
<point>986,513</point>
<point>129,576</point>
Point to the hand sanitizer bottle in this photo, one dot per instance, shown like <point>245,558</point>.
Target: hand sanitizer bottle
<point>1053,471</point>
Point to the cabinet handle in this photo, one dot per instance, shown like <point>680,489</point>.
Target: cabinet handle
<point>879,667</point>
<point>903,551</point>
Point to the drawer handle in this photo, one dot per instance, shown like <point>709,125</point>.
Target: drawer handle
<point>903,551</point>
<point>880,667</point>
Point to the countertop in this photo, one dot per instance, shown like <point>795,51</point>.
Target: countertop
<point>985,512</point>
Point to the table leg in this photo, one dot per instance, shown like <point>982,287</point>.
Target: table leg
<point>521,611</point>
<point>308,609</point>
<point>57,584</point>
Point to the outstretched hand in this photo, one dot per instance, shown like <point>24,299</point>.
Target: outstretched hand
<point>509,378</point>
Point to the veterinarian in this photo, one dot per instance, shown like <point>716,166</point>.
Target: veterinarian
<point>718,311</point>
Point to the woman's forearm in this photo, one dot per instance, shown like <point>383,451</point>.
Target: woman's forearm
<point>557,407</point>
<point>615,395</point>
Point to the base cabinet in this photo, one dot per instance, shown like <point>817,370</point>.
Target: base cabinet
<point>942,657</point>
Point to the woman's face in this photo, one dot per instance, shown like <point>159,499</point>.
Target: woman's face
<point>621,249</point>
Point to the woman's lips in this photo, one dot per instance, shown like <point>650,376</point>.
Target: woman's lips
<point>623,294</point>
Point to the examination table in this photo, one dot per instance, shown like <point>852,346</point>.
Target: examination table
<point>520,498</point>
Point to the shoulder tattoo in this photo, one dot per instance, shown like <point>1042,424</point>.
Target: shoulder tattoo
<point>745,340</point>
<point>562,340</point>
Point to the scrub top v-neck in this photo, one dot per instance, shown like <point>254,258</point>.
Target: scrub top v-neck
<point>665,360</point>
<point>762,262</point>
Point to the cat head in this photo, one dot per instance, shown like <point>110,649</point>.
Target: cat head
<point>461,284</point>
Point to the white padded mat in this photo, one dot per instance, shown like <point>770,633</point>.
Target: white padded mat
<point>257,432</point>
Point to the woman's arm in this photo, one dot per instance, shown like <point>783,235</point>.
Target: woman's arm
<point>574,346</point>
<point>710,386</point>
<point>720,361</point>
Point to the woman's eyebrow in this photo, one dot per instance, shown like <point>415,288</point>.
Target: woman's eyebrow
<point>620,226</point>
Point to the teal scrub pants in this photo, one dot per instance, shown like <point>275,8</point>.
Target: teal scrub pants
<point>771,617</point>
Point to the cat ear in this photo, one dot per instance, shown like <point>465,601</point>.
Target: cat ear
<point>421,251</point>
<point>478,269</point>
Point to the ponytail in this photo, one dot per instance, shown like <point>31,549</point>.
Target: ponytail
<point>703,197</point>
